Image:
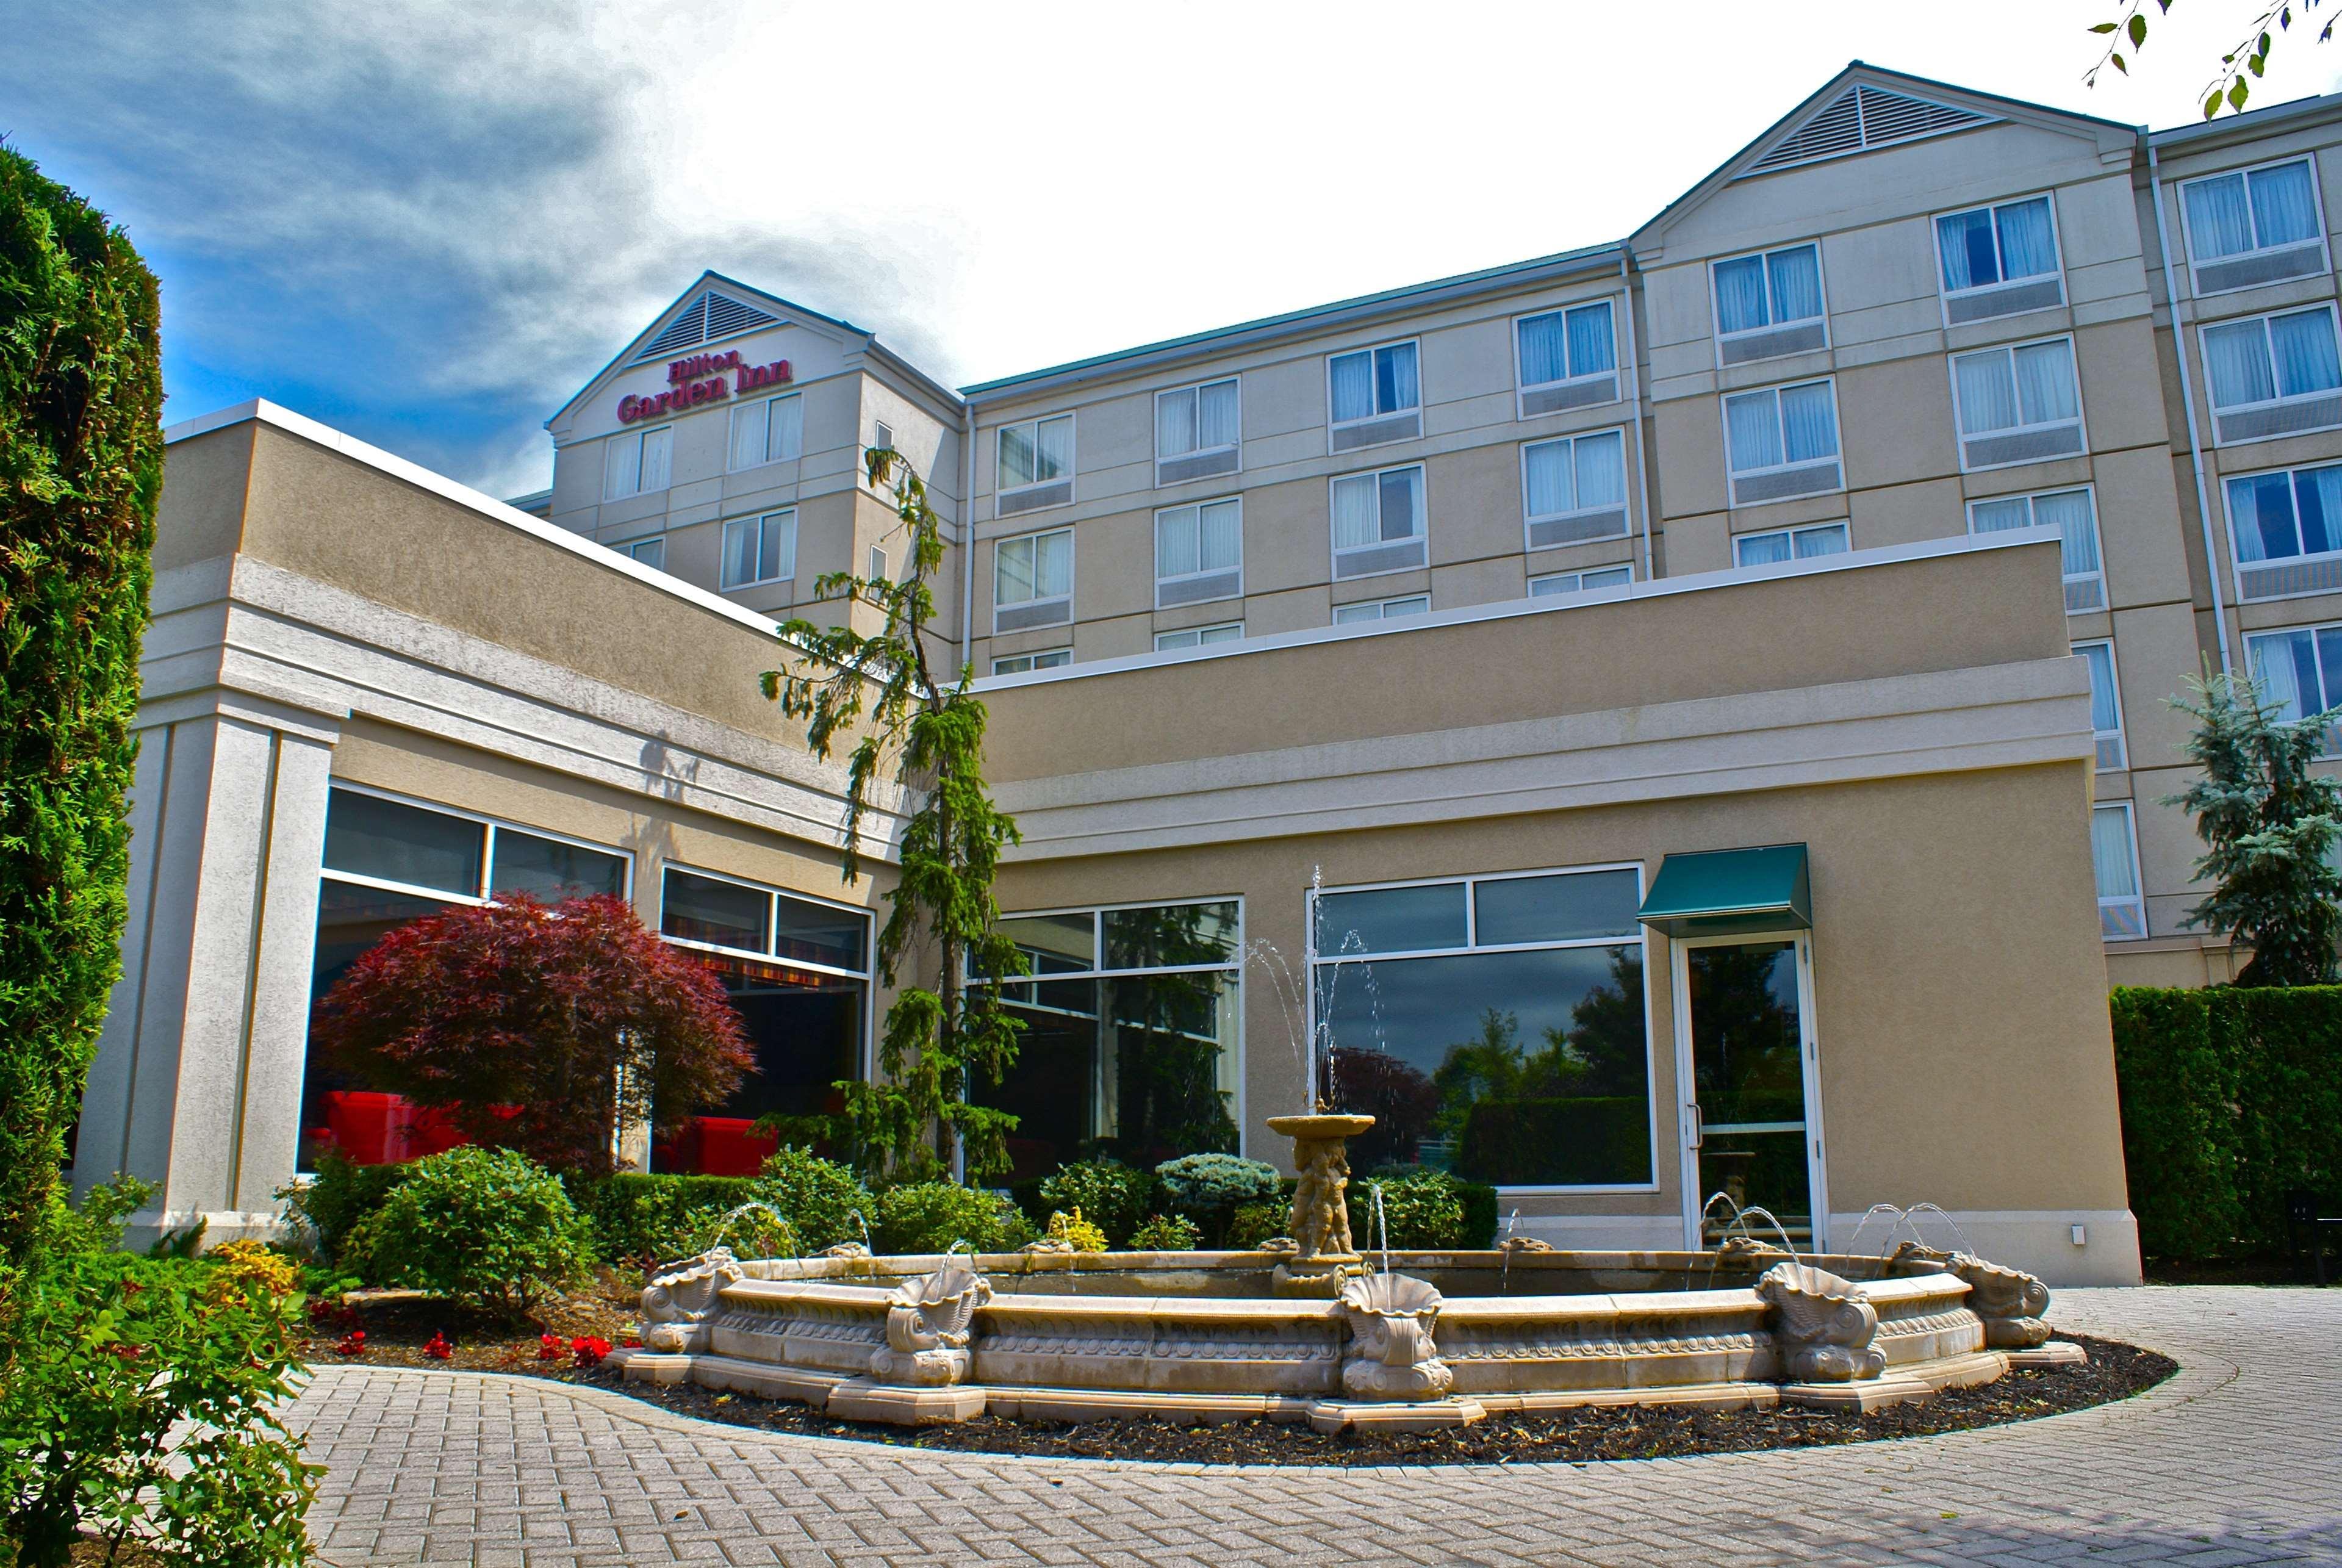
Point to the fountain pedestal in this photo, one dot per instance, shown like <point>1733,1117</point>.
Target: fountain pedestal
<point>1324,1256</point>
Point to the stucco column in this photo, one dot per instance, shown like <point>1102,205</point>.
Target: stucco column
<point>197,1080</point>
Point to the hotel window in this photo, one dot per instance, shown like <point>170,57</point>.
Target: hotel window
<point>2286,529</point>
<point>2017,404</point>
<point>768,431</point>
<point>760,549</point>
<point>1382,609</point>
<point>1504,1015</point>
<point>635,462</point>
<point>2299,672</point>
<point>797,971</point>
<point>1199,553</point>
<point>1998,260</point>
<point>1036,464</point>
<point>1198,636</point>
<point>877,565</point>
<point>1196,432</point>
<point>1782,442</point>
<point>2114,856</point>
<point>1769,304</point>
<point>2074,514</point>
<point>1019,663</point>
<point>1555,583</point>
<point>651,552</point>
<point>1033,581</point>
<point>388,862</point>
<point>882,436</point>
<point>1375,395</point>
<point>1130,1049</point>
<point>2106,702</point>
<point>1790,543</point>
<point>1568,358</point>
<point>2254,227</point>
<point>1575,490</point>
<point>2273,375</point>
<point>1378,523</point>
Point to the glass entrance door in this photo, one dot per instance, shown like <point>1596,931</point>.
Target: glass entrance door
<point>1748,1056</point>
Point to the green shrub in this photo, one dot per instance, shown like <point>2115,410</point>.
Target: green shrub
<point>1166,1233</point>
<point>488,1226</point>
<point>325,1210</point>
<point>930,1216</point>
<point>1110,1195</point>
<point>1210,1187</point>
<point>1476,1229</point>
<point>1253,1223</point>
<point>143,1402</point>
<point>1558,1141</point>
<point>820,1197</point>
<point>1425,1211</point>
<point>649,1219</point>
<point>81,466</point>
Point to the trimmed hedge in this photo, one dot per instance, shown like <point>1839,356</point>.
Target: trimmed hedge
<point>2231,1097</point>
<point>637,1217</point>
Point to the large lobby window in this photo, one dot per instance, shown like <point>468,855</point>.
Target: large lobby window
<point>1495,1026</point>
<point>1130,1046</point>
<point>798,971</point>
<point>388,861</point>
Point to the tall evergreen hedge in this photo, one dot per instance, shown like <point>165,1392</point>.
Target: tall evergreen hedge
<point>81,467</point>
<point>2231,1097</point>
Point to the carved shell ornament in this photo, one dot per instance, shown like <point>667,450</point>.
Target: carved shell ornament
<point>2009,1301</point>
<point>682,1295</point>
<point>1823,1324</point>
<point>934,1310</point>
<point>1392,1354</point>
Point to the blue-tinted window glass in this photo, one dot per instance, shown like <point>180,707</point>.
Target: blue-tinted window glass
<point>551,870</point>
<point>1556,909</point>
<point>2318,494</point>
<point>368,836</point>
<point>724,914</point>
<point>1391,920</point>
<point>816,934</point>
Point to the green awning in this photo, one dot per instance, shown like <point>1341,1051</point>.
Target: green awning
<point>1723,892</point>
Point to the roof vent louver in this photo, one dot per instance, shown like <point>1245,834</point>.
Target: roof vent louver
<point>1861,118</point>
<point>707,318</point>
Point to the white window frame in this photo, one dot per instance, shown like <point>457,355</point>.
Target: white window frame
<point>2098,540</point>
<point>481,896</point>
<point>761,519</point>
<point>640,440</point>
<point>1641,938</point>
<point>770,405</point>
<point>772,925</point>
<point>1154,542</point>
<point>1023,663</point>
<point>1821,283</point>
<point>1073,458</point>
<point>1203,636</point>
<point>1627,485</point>
<point>2246,171</point>
<point>1962,435</point>
<point>2057,240</point>
<point>632,550</point>
<point>2281,400</point>
<point>1197,388</point>
<point>2114,676</point>
<point>2330,741</point>
<point>1073,569</point>
<point>1370,349</point>
<point>1522,386</point>
<point>1423,520</point>
<point>2239,565</point>
<point>1723,416</point>
<point>1382,607</point>
<point>1834,525</point>
<point>2136,901</point>
<point>1576,580</point>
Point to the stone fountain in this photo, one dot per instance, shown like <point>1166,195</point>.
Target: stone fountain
<point>1323,1255</point>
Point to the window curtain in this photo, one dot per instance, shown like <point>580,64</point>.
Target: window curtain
<point>2069,512</point>
<point>1054,450</point>
<point>1996,517</point>
<point>1053,565</point>
<point>1812,542</point>
<point>2285,210</point>
<point>1354,511</point>
<point>1753,423</point>
<point>658,447</point>
<point>1964,242</point>
<point>2302,344</point>
<point>2220,219</point>
<point>1394,384</point>
<point>1593,341</point>
<point>1175,543</point>
<point>1013,572</point>
<point>739,551</point>
<point>1796,283</point>
<point>750,422</point>
<point>1808,422</point>
<point>777,550</point>
<point>1175,423</point>
<point>1219,536</point>
<point>2260,519</point>
<point>1015,455</point>
<point>2237,358</point>
<point>1601,464</point>
<point>2028,242</point>
<point>1987,392</point>
<point>1546,471</point>
<point>1215,415</point>
<point>2318,498</point>
<point>2046,393</point>
<point>2110,852</point>
<point>1760,549</point>
<point>2104,714</point>
<point>1354,387</point>
<point>2285,668</point>
<point>1740,295</point>
<point>787,442</point>
<point>1543,350</point>
<point>1402,504</point>
<point>622,466</point>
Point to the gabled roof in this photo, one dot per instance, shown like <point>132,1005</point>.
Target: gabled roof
<point>1863,108</point>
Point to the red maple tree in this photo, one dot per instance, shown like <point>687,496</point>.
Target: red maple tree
<point>538,1027</point>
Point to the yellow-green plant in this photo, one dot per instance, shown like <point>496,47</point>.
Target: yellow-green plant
<point>1075,1231</point>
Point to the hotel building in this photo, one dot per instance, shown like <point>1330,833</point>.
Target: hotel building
<point>1709,690</point>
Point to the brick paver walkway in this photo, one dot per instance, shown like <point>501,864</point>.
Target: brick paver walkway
<point>2239,1458</point>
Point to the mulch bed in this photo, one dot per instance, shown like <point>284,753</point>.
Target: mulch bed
<point>398,1325</point>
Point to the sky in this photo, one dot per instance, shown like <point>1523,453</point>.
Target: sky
<point>428,223</point>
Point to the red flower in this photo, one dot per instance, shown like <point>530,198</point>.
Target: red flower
<point>589,1349</point>
<point>549,1348</point>
<point>439,1350</point>
<point>352,1343</point>
<point>634,1342</point>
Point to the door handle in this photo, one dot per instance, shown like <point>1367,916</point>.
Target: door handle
<point>1698,1124</point>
